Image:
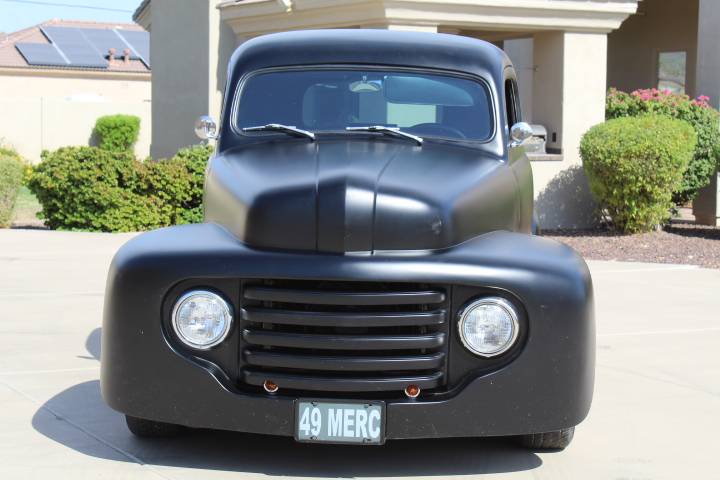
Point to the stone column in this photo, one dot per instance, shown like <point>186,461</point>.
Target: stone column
<point>706,206</point>
<point>568,98</point>
<point>222,43</point>
<point>190,48</point>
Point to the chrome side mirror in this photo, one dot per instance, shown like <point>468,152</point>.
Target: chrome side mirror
<point>520,132</point>
<point>206,128</point>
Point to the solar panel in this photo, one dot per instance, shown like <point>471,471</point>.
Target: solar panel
<point>103,40</point>
<point>139,42</point>
<point>41,54</point>
<point>75,46</point>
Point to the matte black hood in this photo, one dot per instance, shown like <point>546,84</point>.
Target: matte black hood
<point>359,195</point>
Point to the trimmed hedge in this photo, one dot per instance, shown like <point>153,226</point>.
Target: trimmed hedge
<point>634,165</point>
<point>11,175</point>
<point>89,188</point>
<point>117,133</point>
<point>697,112</point>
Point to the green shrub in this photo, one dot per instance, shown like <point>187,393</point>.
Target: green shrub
<point>195,160</point>
<point>11,176</point>
<point>117,133</point>
<point>634,165</point>
<point>698,113</point>
<point>88,188</point>
<point>178,183</point>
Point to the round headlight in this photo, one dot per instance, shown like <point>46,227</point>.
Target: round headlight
<point>489,326</point>
<point>201,319</point>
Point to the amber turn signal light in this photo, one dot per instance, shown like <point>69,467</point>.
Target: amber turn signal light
<point>412,391</point>
<point>270,386</point>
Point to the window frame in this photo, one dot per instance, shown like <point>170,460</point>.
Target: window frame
<point>487,85</point>
<point>512,102</point>
<point>658,53</point>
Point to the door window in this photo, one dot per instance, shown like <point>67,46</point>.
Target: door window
<point>512,103</point>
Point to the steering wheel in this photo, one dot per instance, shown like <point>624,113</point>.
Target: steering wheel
<point>436,129</point>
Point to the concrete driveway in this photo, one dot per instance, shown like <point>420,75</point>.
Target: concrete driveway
<point>656,412</point>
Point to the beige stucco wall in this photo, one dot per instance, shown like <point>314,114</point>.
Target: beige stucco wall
<point>190,49</point>
<point>48,111</point>
<point>562,85</point>
<point>659,26</point>
<point>520,52</point>
<point>574,64</point>
<point>54,85</point>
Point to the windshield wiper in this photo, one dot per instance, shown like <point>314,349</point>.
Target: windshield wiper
<point>277,127</point>
<point>393,131</point>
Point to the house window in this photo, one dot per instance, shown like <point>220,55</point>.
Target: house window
<point>671,71</point>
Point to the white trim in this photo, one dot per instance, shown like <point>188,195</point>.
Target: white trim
<point>255,17</point>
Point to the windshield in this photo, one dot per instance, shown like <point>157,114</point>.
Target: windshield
<point>423,104</point>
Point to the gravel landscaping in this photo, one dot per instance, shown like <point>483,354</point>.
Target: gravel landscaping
<point>682,243</point>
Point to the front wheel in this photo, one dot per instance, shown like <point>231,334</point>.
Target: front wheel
<point>549,440</point>
<point>141,427</point>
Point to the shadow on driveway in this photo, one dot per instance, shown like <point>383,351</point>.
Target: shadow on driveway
<point>83,408</point>
<point>92,343</point>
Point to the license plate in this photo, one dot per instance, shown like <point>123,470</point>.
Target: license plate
<point>329,422</point>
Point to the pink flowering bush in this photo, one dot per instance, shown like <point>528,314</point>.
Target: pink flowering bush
<point>697,112</point>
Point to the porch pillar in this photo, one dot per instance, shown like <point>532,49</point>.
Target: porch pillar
<point>520,52</point>
<point>706,206</point>
<point>568,98</point>
<point>190,48</point>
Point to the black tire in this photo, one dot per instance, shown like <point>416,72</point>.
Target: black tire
<point>549,440</point>
<point>151,429</point>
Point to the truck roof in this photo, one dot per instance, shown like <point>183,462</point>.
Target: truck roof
<point>370,47</point>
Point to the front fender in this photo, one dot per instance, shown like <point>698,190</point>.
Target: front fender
<point>548,386</point>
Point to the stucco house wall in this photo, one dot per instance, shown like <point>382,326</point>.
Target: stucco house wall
<point>45,112</point>
<point>659,26</point>
<point>188,79</point>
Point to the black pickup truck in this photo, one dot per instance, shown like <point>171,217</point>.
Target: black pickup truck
<point>367,269</point>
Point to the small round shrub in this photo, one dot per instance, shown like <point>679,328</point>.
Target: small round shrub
<point>634,165</point>
<point>12,169</point>
<point>697,112</point>
<point>117,133</point>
